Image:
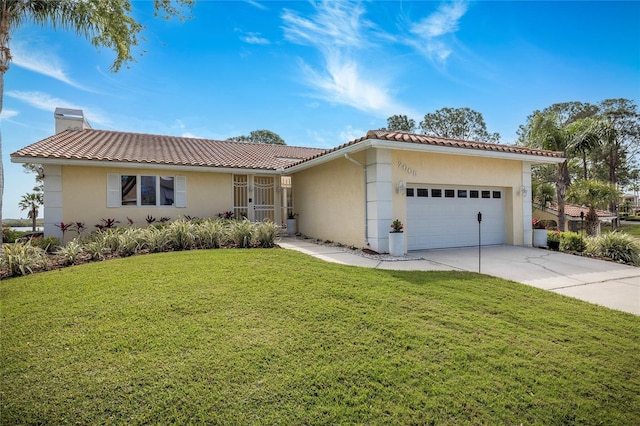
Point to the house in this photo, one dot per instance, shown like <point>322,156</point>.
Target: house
<point>574,216</point>
<point>349,194</point>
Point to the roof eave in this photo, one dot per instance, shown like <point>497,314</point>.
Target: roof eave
<point>136,165</point>
<point>473,152</point>
<point>412,146</point>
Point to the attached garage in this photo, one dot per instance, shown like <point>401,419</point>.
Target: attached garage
<point>440,216</point>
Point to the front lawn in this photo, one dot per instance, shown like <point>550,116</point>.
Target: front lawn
<point>276,337</point>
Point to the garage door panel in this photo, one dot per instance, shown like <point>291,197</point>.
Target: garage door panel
<point>440,222</point>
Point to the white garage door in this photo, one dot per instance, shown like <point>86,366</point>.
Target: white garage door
<point>441,216</point>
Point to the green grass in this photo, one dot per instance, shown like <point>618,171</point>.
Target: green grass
<point>277,337</point>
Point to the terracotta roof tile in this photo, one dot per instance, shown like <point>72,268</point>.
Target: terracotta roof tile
<point>574,210</point>
<point>103,145</point>
<point>391,136</point>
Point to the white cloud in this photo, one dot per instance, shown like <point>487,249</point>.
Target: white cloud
<point>349,134</point>
<point>46,102</point>
<point>431,29</point>
<point>8,113</point>
<point>338,30</point>
<point>44,63</point>
<point>256,4</point>
<point>342,82</point>
<point>336,23</point>
<point>254,38</point>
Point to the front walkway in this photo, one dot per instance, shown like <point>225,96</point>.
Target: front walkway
<point>596,281</point>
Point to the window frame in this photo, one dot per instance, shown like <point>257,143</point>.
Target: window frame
<point>114,190</point>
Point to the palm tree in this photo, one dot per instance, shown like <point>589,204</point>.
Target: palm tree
<point>31,202</point>
<point>593,194</point>
<point>585,135</point>
<point>547,132</point>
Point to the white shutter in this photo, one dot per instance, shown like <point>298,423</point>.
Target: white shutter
<point>181,191</point>
<point>114,198</point>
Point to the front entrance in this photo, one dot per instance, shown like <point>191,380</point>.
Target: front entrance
<point>254,197</point>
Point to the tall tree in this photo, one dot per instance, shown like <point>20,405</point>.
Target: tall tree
<point>458,123</point>
<point>400,123</point>
<point>260,136</point>
<point>622,141</point>
<point>547,132</point>
<point>107,23</point>
<point>594,195</point>
<point>31,202</point>
<point>585,134</point>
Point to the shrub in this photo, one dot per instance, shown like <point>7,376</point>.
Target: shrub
<point>553,236</point>
<point>96,248</point>
<point>129,241</point>
<point>70,252</point>
<point>155,239</point>
<point>241,233</point>
<point>267,234</point>
<point>572,242</point>
<point>22,258</point>
<point>182,234</point>
<point>10,235</point>
<point>210,234</point>
<point>615,246</point>
<point>49,244</point>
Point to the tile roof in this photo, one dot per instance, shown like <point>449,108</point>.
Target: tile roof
<point>392,136</point>
<point>574,210</point>
<point>124,147</point>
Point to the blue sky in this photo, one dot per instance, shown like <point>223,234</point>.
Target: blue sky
<point>321,73</point>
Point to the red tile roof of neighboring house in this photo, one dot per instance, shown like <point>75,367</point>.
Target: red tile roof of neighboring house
<point>392,136</point>
<point>103,145</point>
<point>574,211</point>
<point>112,146</point>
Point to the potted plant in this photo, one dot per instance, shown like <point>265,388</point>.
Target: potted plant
<point>539,233</point>
<point>553,240</point>
<point>292,225</point>
<point>396,238</point>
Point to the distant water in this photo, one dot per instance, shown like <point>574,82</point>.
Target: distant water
<point>26,228</point>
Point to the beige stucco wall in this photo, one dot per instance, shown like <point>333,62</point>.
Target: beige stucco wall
<point>84,196</point>
<point>329,200</point>
<point>330,197</point>
<point>447,169</point>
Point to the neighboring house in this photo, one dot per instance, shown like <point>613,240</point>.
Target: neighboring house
<point>349,194</point>
<point>573,219</point>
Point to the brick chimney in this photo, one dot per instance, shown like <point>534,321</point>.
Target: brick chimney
<point>70,119</point>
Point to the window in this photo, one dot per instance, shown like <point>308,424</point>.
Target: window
<point>497,194</point>
<point>462,193</point>
<point>409,192</point>
<point>449,193</point>
<point>145,190</point>
<point>486,194</point>
<point>437,193</point>
<point>423,192</point>
<point>473,193</point>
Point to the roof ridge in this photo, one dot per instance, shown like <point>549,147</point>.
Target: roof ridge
<point>153,135</point>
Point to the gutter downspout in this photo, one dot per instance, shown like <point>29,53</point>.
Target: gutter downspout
<point>366,217</point>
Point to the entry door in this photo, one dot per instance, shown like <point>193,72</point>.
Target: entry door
<point>264,202</point>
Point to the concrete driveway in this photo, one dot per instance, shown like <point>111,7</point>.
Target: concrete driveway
<point>597,281</point>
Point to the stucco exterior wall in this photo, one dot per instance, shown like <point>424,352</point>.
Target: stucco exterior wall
<point>329,200</point>
<point>84,196</point>
<point>412,167</point>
